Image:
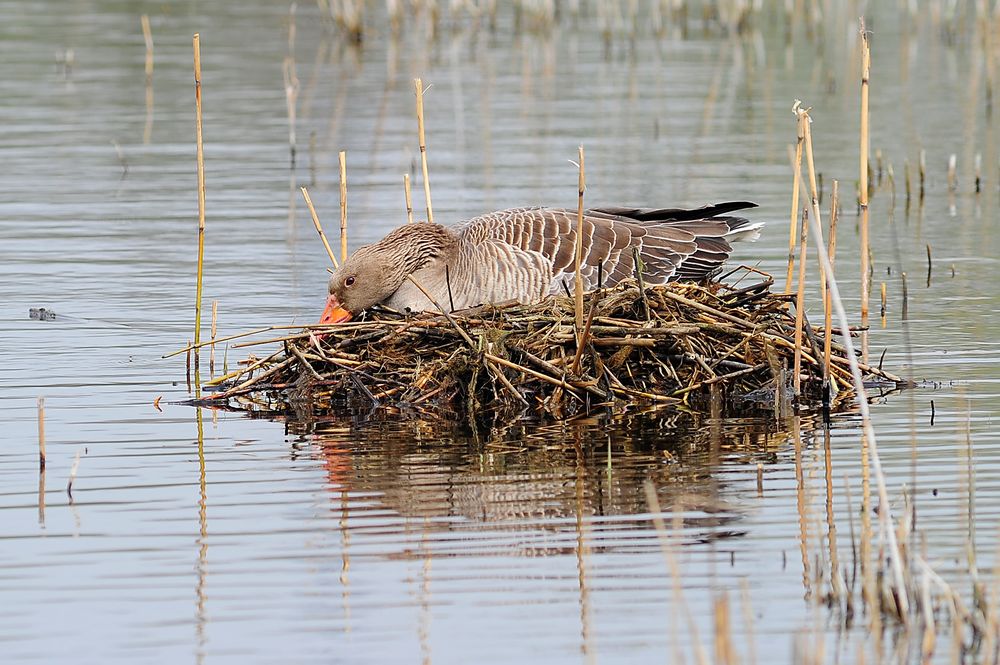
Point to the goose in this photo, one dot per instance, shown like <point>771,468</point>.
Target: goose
<point>526,254</point>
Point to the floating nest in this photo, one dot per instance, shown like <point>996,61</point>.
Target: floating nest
<point>699,345</point>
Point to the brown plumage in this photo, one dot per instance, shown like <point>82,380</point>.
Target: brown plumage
<point>527,253</point>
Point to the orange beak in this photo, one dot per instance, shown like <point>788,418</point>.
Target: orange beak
<point>334,312</point>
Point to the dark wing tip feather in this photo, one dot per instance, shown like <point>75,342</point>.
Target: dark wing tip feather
<point>674,214</point>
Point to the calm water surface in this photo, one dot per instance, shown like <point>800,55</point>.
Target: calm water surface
<point>211,537</point>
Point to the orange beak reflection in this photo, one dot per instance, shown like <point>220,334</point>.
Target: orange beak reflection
<point>334,312</point>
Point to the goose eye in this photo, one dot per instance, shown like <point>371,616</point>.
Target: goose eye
<point>349,281</point>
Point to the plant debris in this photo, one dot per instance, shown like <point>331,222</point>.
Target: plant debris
<point>679,344</point>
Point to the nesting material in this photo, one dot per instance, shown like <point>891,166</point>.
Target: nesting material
<point>694,341</point>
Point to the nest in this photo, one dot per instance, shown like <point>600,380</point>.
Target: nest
<point>678,344</point>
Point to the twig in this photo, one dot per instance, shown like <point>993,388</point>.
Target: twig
<point>419,86</point>
<point>319,227</point>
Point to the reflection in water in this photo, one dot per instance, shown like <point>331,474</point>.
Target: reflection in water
<point>201,619</point>
<point>531,476</point>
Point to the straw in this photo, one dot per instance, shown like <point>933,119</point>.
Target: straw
<point>201,193</point>
<point>409,199</point>
<point>863,177</point>
<point>419,86</point>
<point>343,206</point>
<point>796,185</point>
<point>147,36</point>
<point>319,227</point>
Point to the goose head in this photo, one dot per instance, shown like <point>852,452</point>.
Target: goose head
<point>375,272</point>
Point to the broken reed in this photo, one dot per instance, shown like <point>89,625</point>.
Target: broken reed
<point>201,194</point>
<point>409,198</point>
<point>343,206</point>
<point>419,86</point>
<point>863,182</point>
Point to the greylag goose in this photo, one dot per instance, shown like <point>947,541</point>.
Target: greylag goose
<point>526,254</point>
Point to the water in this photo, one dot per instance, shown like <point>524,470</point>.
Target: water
<point>383,537</point>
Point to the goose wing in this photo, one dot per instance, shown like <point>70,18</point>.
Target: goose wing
<point>532,249</point>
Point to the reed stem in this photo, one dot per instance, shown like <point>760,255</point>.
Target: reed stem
<point>578,254</point>
<point>343,206</point>
<point>863,178</point>
<point>419,85</point>
<point>409,198</point>
<point>41,434</point>
<point>319,227</point>
<point>147,36</point>
<point>201,193</point>
<point>796,186</point>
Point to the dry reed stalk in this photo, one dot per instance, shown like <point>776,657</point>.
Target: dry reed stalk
<point>409,198</point>
<point>796,185</point>
<point>578,252</point>
<point>201,193</point>
<point>814,200</point>
<point>861,397</point>
<point>343,206</point>
<point>187,363</point>
<point>883,304</point>
<point>419,86</point>
<point>863,179</point>
<point>319,228</point>
<point>147,36</point>
<point>800,298</point>
<point>41,434</point>
<point>827,306</point>
<point>215,318</point>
